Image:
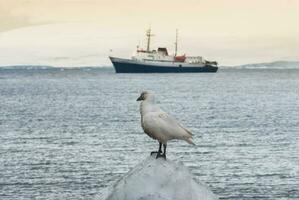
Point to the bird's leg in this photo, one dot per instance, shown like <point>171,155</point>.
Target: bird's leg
<point>164,153</point>
<point>159,151</point>
<point>160,148</point>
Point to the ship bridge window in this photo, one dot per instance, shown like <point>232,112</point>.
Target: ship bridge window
<point>163,51</point>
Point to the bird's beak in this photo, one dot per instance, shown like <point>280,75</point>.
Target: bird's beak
<point>139,98</point>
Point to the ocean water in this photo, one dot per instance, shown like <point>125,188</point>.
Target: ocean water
<point>69,134</point>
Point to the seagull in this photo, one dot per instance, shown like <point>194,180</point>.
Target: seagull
<point>160,126</point>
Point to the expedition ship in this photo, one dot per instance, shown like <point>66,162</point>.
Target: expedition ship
<point>159,61</point>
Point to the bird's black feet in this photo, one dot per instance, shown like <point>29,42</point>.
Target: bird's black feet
<point>159,155</point>
<point>156,152</point>
<point>159,152</point>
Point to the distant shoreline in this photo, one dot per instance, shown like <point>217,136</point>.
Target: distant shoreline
<point>266,65</point>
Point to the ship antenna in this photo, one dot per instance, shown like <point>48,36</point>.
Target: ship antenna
<point>148,35</point>
<point>176,42</point>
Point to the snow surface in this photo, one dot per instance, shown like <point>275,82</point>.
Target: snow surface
<point>159,179</point>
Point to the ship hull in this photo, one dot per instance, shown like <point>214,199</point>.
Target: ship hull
<point>129,66</point>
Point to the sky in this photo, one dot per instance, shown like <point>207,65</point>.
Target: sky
<point>84,32</point>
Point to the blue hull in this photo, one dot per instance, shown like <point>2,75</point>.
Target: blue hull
<point>122,67</point>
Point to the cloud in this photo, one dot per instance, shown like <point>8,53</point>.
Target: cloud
<point>17,14</point>
<point>8,20</point>
<point>228,30</point>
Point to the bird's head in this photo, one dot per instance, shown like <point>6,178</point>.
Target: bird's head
<point>145,95</point>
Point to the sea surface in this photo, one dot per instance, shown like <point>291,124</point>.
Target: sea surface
<point>71,133</point>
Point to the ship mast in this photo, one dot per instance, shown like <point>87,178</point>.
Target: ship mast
<point>176,42</point>
<point>148,35</point>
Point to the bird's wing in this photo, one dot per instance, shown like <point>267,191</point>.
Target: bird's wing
<point>173,122</point>
<point>160,123</point>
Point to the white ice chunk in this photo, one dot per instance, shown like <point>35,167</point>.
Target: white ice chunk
<point>159,179</point>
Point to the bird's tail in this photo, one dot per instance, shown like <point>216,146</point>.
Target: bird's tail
<point>189,140</point>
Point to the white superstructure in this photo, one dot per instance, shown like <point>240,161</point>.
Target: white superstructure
<point>161,55</point>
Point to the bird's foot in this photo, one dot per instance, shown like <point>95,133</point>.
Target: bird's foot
<point>161,155</point>
<point>156,152</point>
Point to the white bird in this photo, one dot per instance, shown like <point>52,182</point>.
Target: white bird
<point>159,125</point>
